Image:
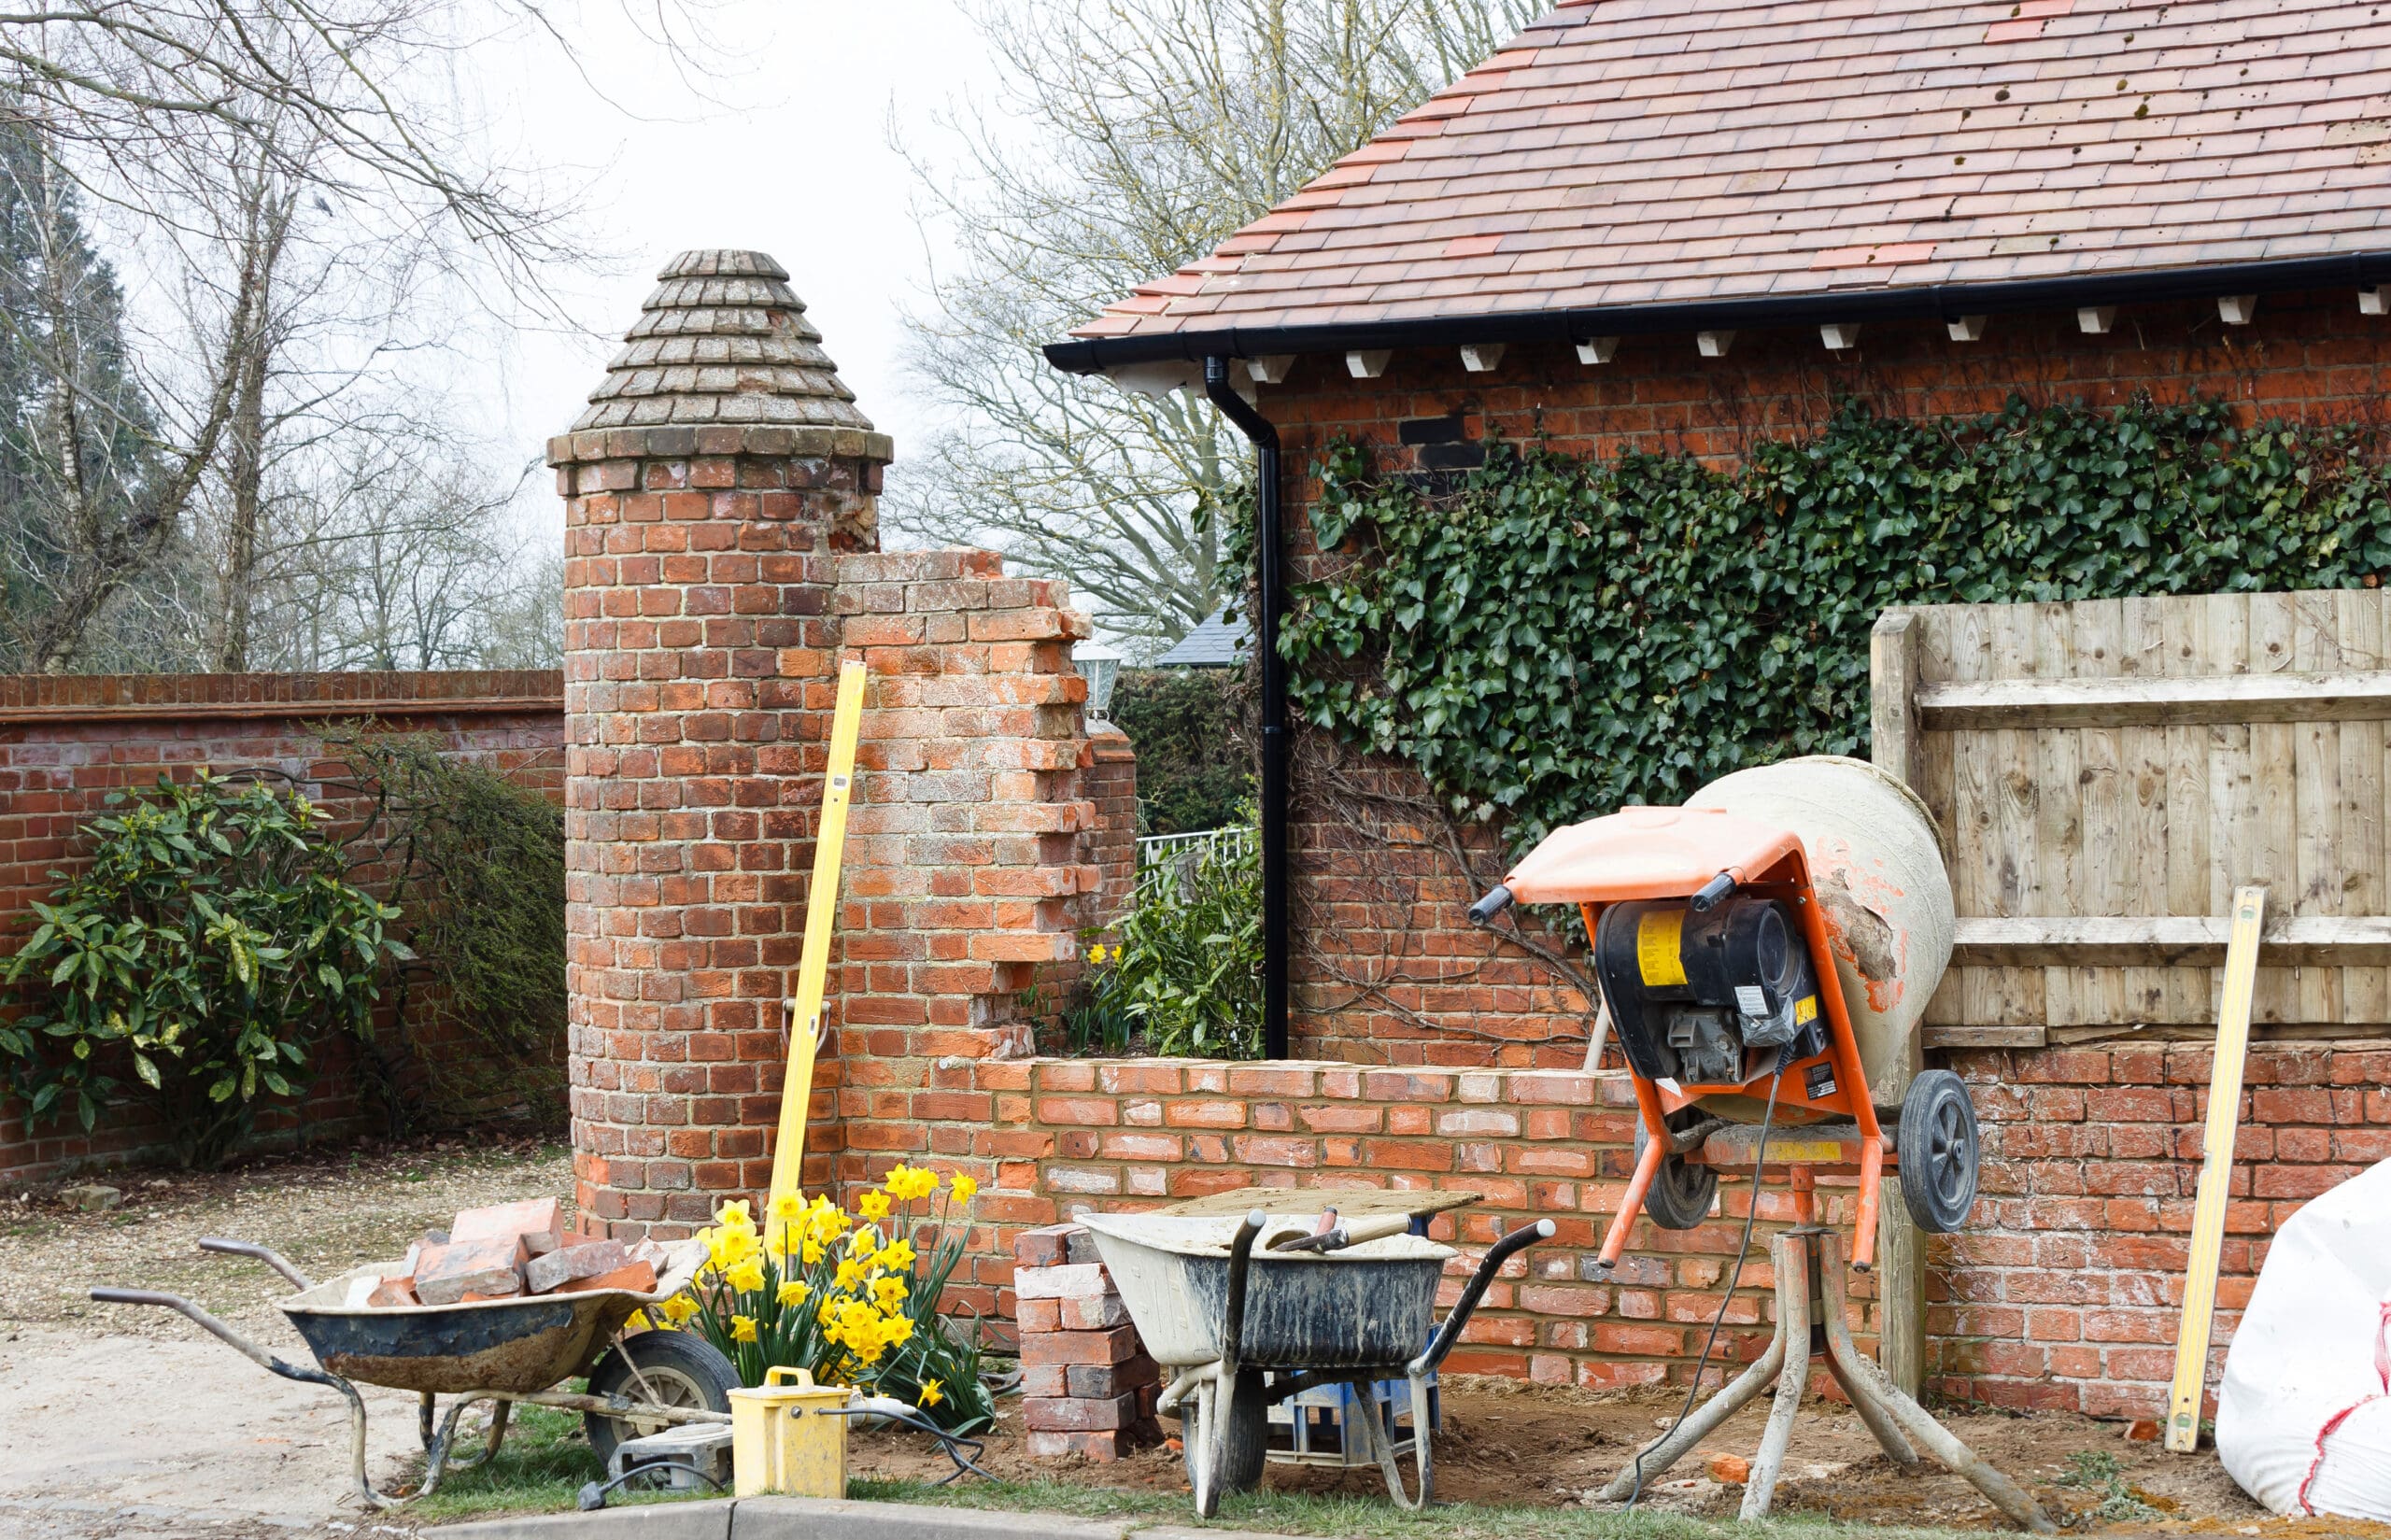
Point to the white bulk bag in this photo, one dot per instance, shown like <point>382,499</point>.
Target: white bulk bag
<point>2303,1418</point>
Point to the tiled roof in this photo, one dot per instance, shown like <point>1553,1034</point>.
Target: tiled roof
<point>722,339</point>
<point>1215,642</point>
<point>1640,153</point>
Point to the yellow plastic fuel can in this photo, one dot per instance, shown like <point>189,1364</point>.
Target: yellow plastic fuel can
<point>784,1440</point>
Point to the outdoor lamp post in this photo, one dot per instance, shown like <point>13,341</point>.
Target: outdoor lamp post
<point>1101,666</point>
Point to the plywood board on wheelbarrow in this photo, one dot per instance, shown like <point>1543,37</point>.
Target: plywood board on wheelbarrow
<point>1349,1202</point>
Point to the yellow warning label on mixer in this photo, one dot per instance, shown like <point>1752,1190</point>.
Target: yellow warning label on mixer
<point>1805,1010</point>
<point>1659,937</point>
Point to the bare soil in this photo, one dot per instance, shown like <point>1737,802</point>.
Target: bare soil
<point>1505,1442</point>
<point>127,1423</point>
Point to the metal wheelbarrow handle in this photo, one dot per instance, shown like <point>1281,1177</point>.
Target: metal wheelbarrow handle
<point>1449,1333</point>
<point>267,1361</point>
<point>266,1254</point>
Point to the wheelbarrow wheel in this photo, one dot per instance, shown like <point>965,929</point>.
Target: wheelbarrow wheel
<point>1938,1149</point>
<point>678,1370</point>
<point>1682,1191</point>
<point>1245,1436</point>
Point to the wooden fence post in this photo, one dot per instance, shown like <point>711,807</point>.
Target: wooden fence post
<point>1901,1251</point>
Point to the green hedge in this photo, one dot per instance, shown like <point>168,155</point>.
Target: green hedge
<point>1562,634</point>
<point>1194,766</point>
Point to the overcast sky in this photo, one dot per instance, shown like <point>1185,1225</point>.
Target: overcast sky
<point>794,158</point>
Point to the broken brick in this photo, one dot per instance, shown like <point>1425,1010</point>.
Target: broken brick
<point>392,1293</point>
<point>494,1268</point>
<point>638,1277</point>
<point>559,1268</point>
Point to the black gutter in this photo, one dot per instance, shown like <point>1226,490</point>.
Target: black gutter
<point>1925,302</point>
<point>1271,595</point>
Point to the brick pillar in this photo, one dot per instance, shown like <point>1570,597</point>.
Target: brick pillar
<point>1113,844</point>
<point>719,466</point>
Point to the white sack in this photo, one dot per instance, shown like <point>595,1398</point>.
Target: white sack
<point>2303,1418</point>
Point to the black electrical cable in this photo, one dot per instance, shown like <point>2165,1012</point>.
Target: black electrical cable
<point>951,1443</point>
<point>1751,1216</point>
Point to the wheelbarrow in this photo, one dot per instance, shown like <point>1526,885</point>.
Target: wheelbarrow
<point>500,1351</point>
<point>1242,1319</point>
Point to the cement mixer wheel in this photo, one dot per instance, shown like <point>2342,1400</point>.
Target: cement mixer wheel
<point>1939,1150</point>
<point>1682,1191</point>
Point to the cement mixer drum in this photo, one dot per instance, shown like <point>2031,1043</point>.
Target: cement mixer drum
<point>1877,863</point>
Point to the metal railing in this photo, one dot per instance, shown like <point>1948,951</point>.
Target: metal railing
<point>1164,860</point>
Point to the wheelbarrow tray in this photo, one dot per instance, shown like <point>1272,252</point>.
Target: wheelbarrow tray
<point>511,1347</point>
<point>1370,1304</point>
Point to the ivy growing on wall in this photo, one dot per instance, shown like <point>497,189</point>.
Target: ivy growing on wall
<point>1559,635</point>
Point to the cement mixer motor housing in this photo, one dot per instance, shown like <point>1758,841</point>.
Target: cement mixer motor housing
<point>1707,993</point>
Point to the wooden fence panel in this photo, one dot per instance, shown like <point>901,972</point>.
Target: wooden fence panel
<point>2107,772</point>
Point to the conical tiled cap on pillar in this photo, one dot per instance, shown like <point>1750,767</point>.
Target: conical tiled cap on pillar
<point>722,343</point>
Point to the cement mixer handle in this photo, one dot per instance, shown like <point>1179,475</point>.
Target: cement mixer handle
<point>1710,893</point>
<point>1492,904</point>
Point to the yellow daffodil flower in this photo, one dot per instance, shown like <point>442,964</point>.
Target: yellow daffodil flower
<point>793,1293</point>
<point>874,1205</point>
<point>747,1277</point>
<point>965,1189</point>
<point>897,1258</point>
<point>787,1207</point>
<point>734,1216</point>
<point>742,1329</point>
<point>638,1322</point>
<point>811,1252</point>
<point>850,1274</point>
<point>679,1308</point>
<point>933,1392</point>
<point>889,1292</point>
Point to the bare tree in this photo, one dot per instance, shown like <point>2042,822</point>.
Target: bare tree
<point>298,176</point>
<point>1133,136</point>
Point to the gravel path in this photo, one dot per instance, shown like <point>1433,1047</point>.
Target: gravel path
<point>133,1424</point>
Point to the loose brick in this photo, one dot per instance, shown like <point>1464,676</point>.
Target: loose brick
<point>637,1277</point>
<point>539,1221</point>
<point>492,1268</point>
<point>1071,1281</point>
<point>1080,1414</point>
<point>1093,1312</point>
<point>565,1264</point>
<point>1112,1347</point>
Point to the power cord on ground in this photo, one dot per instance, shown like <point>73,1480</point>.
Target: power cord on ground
<point>1751,1216</point>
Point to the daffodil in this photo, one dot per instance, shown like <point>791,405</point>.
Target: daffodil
<point>811,1252</point>
<point>742,1329</point>
<point>964,1187</point>
<point>747,1277</point>
<point>679,1308</point>
<point>874,1205</point>
<point>850,1274</point>
<point>793,1293</point>
<point>895,1258</point>
<point>889,1292</point>
<point>1096,954</point>
<point>787,1207</point>
<point>638,1322</point>
<point>735,1216</point>
<point>933,1392</point>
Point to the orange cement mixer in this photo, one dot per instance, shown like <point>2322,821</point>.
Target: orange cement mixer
<point>1765,953</point>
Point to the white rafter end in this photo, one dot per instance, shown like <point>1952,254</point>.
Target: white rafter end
<point>1368,365</point>
<point>1479,357</point>
<point>1714,345</point>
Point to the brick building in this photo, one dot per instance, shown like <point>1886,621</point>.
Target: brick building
<point>1684,231</point>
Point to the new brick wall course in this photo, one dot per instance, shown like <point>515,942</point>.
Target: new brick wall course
<point>2049,1298</point>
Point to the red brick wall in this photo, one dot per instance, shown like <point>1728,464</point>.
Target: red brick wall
<point>1388,972</point>
<point>65,742</point>
<point>2062,1294</point>
<point>1112,785</point>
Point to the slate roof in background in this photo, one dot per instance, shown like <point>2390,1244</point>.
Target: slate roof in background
<point>1648,152</point>
<point>1214,644</point>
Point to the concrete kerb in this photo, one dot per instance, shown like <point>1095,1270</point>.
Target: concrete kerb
<point>791,1519</point>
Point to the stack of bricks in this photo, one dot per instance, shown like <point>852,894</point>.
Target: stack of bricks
<point>1088,1387</point>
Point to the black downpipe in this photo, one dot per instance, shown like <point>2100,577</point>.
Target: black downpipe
<point>1271,595</point>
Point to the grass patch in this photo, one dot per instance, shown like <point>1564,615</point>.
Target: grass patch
<point>1371,1518</point>
<point>540,1469</point>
